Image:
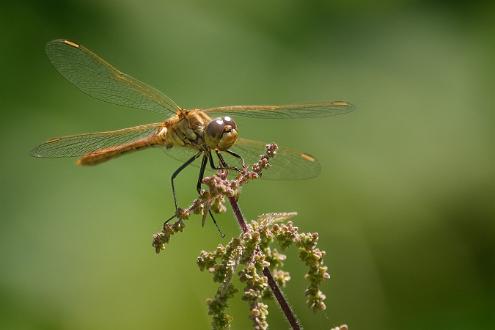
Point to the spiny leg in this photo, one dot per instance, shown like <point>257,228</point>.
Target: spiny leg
<point>212,163</point>
<point>201,173</point>
<point>213,166</point>
<point>223,163</point>
<point>236,156</point>
<point>220,158</point>
<point>198,188</point>
<point>202,169</point>
<point>174,175</point>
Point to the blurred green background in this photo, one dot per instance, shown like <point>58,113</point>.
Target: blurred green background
<point>404,205</point>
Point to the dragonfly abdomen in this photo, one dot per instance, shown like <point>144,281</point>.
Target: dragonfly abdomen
<point>102,155</point>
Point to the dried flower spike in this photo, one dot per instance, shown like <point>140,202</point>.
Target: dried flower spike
<point>251,253</point>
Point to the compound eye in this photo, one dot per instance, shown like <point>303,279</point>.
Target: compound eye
<point>215,128</point>
<point>221,133</point>
<point>229,122</point>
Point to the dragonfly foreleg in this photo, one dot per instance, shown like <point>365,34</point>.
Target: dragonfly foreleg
<point>201,173</point>
<point>236,156</point>
<point>198,188</point>
<point>224,163</point>
<point>212,163</point>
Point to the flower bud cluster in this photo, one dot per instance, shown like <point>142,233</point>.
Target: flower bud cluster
<point>222,263</point>
<point>161,238</point>
<point>250,253</point>
<point>288,234</point>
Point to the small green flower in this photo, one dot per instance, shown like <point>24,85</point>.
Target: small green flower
<point>251,252</point>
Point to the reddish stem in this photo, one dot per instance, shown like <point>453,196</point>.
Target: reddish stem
<point>284,305</point>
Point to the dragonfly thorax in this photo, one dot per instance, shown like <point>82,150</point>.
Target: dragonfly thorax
<point>221,133</point>
<point>194,128</point>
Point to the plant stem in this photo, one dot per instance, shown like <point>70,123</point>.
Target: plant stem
<point>284,305</point>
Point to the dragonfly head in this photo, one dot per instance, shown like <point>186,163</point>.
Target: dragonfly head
<point>221,133</point>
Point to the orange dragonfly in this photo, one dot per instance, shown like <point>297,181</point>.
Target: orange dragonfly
<point>191,130</point>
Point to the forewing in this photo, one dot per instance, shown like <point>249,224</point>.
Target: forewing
<point>289,111</point>
<point>288,164</point>
<point>79,145</point>
<point>96,77</point>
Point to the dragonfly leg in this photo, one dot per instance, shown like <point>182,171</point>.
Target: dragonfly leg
<point>212,163</point>
<point>177,171</point>
<point>201,173</point>
<point>198,188</point>
<point>224,163</point>
<point>236,156</point>
<point>166,221</point>
<point>216,225</point>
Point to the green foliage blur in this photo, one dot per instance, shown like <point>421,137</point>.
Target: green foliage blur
<point>405,204</point>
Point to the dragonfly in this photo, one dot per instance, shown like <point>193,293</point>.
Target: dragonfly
<point>194,132</point>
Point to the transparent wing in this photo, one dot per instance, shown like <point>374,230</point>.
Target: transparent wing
<point>289,111</point>
<point>183,154</point>
<point>288,164</point>
<point>79,145</point>
<point>96,77</point>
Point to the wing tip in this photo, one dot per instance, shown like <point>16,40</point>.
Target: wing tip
<point>345,105</point>
<point>52,45</point>
<point>35,152</point>
<point>63,41</point>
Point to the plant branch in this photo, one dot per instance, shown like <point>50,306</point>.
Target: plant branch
<point>284,305</point>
